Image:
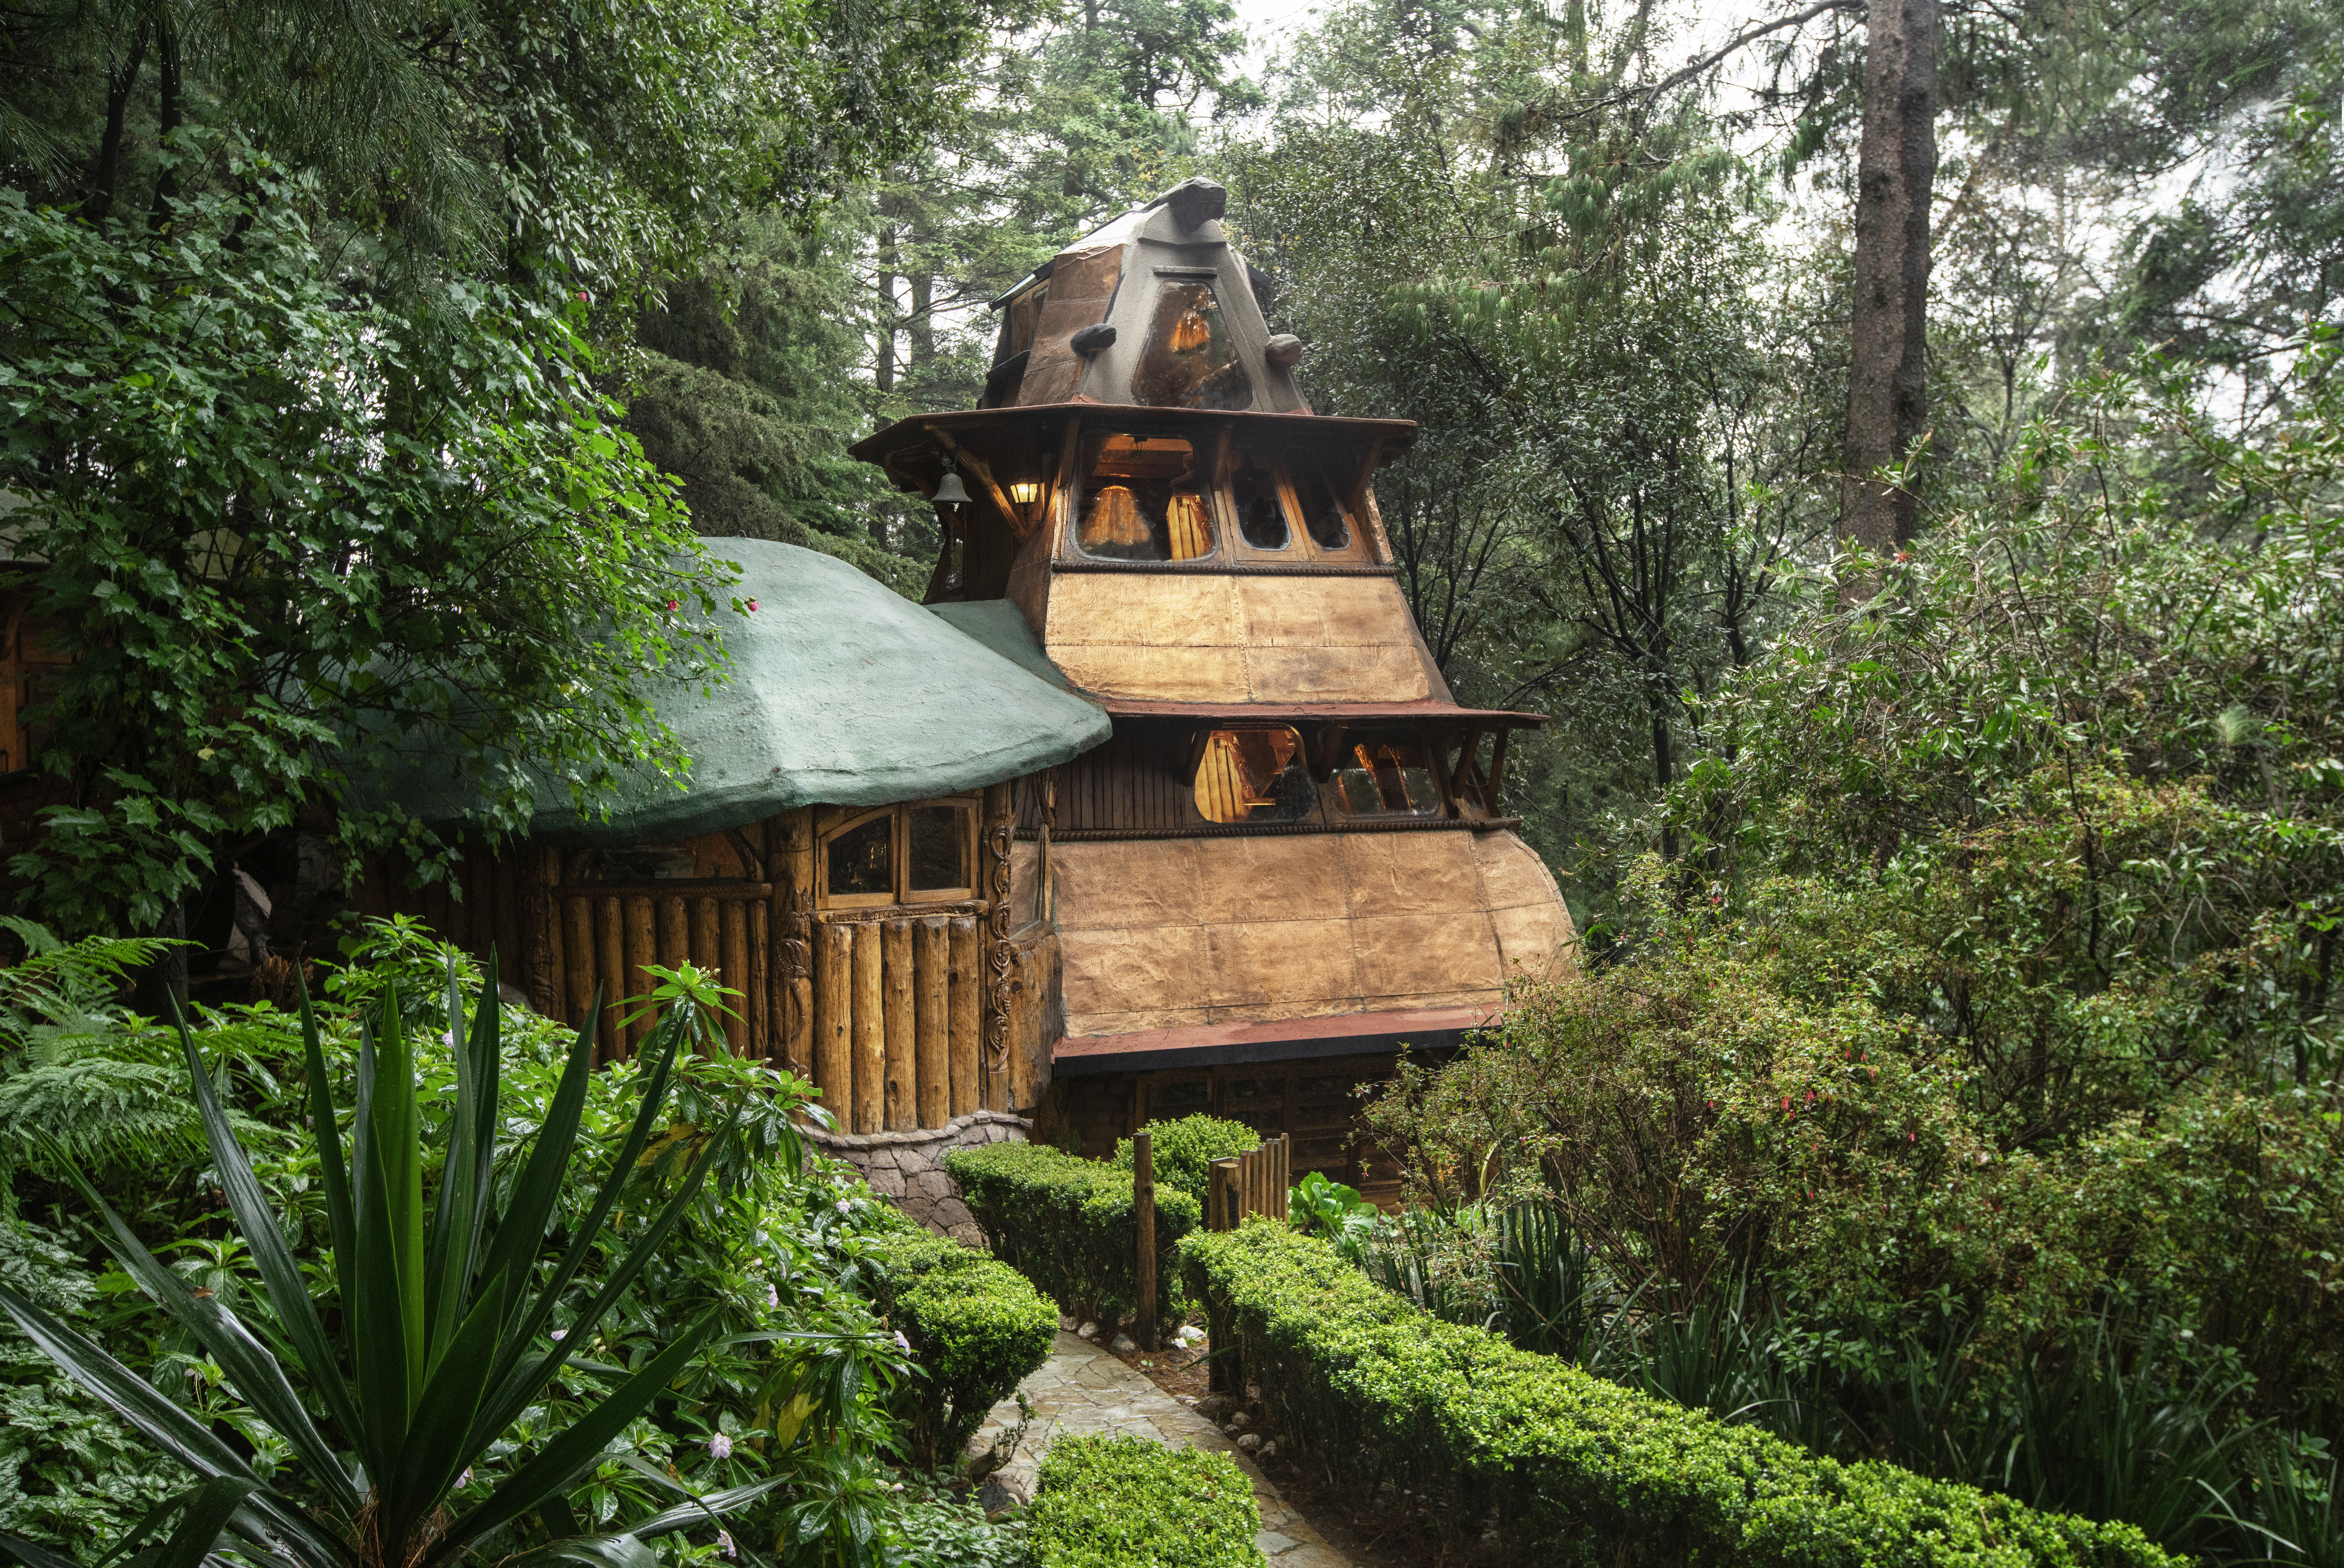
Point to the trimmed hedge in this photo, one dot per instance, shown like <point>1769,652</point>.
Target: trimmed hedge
<point>976,1328</point>
<point>1183,1151</point>
<point>1127,1503</point>
<point>1581,1469</point>
<point>1066,1224</point>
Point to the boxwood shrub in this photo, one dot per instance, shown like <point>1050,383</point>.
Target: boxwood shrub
<point>1066,1224</point>
<point>1127,1503</point>
<point>1183,1151</point>
<point>1583,1470</point>
<point>975,1327</point>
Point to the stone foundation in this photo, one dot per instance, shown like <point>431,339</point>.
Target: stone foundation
<point>909,1166</point>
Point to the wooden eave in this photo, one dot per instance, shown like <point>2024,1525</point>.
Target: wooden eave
<point>1149,708</point>
<point>1288,1039</point>
<point>1391,436</point>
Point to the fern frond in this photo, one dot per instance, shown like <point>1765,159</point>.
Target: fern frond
<point>68,989</point>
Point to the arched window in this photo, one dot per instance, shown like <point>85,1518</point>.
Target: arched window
<point>918,853</point>
<point>1189,360</point>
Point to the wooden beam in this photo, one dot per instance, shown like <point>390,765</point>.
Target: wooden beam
<point>870,1030</point>
<point>611,973</point>
<point>732,939</point>
<point>643,951</point>
<point>792,859</point>
<point>932,964</point>
<point>578,960</point>
<point>967,1014</point>
<point>903,1108</point>
<point>976,465</point>
<point>833,1025</point>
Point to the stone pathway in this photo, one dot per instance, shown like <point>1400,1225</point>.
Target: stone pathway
<point>1083,1389</point>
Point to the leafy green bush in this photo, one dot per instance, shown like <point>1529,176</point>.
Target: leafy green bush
<point>1182,1152</point>
<point>976,1328</point>
<point>1127,1503</point>
<point>1575,1464</point>
<point>781,1245</point>
<point>447,1344</point>
<point>1067,1223</point>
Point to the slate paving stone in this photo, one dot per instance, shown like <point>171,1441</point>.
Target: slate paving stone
<point>1083,1389</point>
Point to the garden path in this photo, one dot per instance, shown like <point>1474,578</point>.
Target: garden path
<point>1083,1389</point>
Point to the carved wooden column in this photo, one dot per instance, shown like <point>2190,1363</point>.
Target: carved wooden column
<point>994,863</point>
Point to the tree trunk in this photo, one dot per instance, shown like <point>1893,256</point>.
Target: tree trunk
<point>167,117</point>
<point>883,366</point>
<point>922,325</point>
<point>1897,164</point>
<point>119,87</point>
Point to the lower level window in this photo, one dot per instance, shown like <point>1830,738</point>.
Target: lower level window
<point>1259,775</point>
<point>1386,776</point>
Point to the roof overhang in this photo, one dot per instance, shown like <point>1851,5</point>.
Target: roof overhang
<point>1359,713</point>
<point>1287,1040</point>
<point>1392,436</point>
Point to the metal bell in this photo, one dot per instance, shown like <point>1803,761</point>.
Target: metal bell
<point>950,491</point>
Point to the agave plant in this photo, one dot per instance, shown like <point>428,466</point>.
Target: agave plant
<point>445,1336</point>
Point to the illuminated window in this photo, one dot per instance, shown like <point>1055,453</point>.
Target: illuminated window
<point>1189,360</point>
<point>1254,775</point>
<point>1142,500</point>
<point>1385,774</point>
<point>900,854</point>
<point>1253,496</point>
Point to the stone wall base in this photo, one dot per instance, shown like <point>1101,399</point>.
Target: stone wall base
<point>908,1168</point>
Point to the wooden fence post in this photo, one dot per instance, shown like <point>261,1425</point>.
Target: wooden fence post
<point>1143,1214</point>
<point>1222,1190</point>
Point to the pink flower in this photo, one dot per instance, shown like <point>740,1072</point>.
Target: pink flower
<point>901,1344</point>
<point>720,1447</point>
<point>673,603</point>
<point>752,605</point>
<point>724,1543</point>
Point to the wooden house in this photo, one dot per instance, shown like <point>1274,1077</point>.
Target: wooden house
<point>841,857</point>
<point>1289,856</point>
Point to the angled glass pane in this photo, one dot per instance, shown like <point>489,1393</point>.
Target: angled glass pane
<point>1143,500</point>
<point>1386,776</point>
<point>1189,360</point>
<point>861,860</point>
<point>1253,496</point>
<point>1322,509</point>
<point>1256,775</point>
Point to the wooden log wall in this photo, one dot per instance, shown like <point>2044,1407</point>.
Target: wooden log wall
<point>898,1018</point>
<point>891,1013</point>
<point>559,934</point>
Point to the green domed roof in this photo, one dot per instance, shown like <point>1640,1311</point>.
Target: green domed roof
<point>842,693</point>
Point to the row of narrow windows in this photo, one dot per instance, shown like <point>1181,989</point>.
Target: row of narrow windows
<point>1156,497</point>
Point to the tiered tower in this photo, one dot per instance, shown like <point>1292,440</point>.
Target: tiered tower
<point>1290,857</point>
